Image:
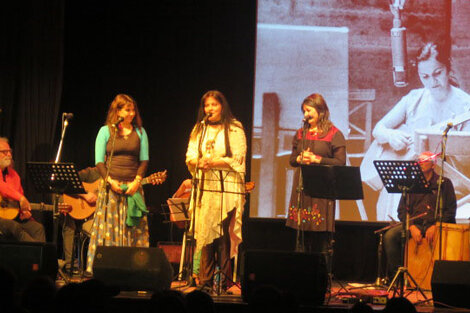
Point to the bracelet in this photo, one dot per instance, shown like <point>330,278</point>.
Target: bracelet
<point>138,179</point>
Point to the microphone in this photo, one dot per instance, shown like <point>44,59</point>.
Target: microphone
<point>399,57</point>
<point>67,116</point>
<point>448,127</point>
<point>206,118</point>
<point>120,119</point>
<point>305,121</point>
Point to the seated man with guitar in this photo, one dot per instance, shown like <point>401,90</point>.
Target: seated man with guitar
<point>16,221</point>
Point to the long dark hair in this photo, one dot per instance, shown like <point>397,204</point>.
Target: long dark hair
<point>120,101</point>
<point>316,101</point>
<point>226,117</point>
<point>441,52</point>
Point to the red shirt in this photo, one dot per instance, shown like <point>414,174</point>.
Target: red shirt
<point>10,184</point>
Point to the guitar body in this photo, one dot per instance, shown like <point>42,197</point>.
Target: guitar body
<point>379,151</point>
<point>9,209</point>
<point>80,208</point>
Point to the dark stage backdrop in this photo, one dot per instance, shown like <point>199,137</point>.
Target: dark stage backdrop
<point>165,54</point>
<point>31,62</point>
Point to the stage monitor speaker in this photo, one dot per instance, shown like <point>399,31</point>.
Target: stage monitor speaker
<point>301,274</point>
<point>450,283</point>
<point>28,260</point>
<point>132,268</point>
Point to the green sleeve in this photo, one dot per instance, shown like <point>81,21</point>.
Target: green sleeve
<point>144,145</point>
<point>100,144</point>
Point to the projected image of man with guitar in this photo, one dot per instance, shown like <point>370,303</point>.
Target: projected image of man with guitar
<point>16,221</point>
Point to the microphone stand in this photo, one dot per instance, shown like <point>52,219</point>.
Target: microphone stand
<point>106,186</point>
<point>439,200</point>
<point>300,244</point>
<point>65,123</point>
<point>195,194</point>
<point>56,196</point>
<point>108,169</point>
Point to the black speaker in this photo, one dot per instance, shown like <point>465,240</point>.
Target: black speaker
<point>450,283</point>
<point>132,268</point>
<point>301,274</point>
<point>28,260</point>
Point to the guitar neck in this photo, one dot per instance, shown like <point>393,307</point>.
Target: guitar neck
<point>41,207</point>
<point>158,178</point>
<point>145,181</point>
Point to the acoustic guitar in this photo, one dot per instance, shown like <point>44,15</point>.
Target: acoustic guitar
<point>10,209</point>
<point>82,209</point>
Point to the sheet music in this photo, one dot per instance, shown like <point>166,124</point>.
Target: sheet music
<point>178,209</point>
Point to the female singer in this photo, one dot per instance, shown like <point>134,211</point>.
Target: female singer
<point>122,163</point>
<point>216,159</point>
<point>323,144</point>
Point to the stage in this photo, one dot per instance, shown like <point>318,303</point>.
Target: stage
<point>343,296</point>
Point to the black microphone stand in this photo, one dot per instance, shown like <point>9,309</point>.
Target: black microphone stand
<point>56,196</point>
<point>299,243</point>
<point>439,200</point>
<point>108,169</point>
<point>195,195</point>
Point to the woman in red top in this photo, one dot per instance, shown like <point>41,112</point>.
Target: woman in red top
<point>324,144</point>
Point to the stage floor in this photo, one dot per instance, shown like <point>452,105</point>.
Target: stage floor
<point>342,298</point>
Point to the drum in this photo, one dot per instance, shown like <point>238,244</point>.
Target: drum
<point>455,247</point>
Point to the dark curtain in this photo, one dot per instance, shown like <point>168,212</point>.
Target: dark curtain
<point>31,84</point>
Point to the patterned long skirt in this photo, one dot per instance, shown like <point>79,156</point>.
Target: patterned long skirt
<point>109,226</point>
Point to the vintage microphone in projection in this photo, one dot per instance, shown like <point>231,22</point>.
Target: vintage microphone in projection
<point>398,43</point>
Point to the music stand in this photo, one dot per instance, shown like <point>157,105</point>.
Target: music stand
<point>178,209</point>
<point>403,177</point>
<point>178,213</point>
<point>219,184</point>
<point>335,182</point>
<point>56,178</point>
<point>332,182</point>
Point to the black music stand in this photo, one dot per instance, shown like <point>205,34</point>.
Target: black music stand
<point>178,209</point>
<point>178,213</point>
<point>403,177</point>
<point>56,178</point>
<point>219,179</point>
<point>335,182</point>
<point>332,182</point>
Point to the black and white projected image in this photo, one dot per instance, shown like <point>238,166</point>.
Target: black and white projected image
<point>362,57</point>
